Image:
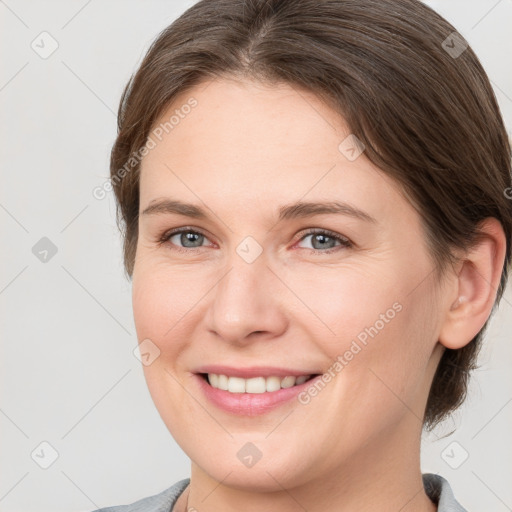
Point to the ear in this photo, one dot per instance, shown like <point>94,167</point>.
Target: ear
<point>474,289</point>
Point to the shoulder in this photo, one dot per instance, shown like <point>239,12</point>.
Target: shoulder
<point>439,491</point>
<point>161,502</point>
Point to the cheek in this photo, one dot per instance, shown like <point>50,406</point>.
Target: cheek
<point>162,301</point>
<point>340,302</point>
<point>163,305</point>
<point>386,376</point>
<point>369,321</point>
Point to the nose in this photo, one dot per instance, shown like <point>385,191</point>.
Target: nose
<point>248,303</point>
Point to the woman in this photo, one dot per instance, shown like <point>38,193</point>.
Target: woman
<point>313,199</point>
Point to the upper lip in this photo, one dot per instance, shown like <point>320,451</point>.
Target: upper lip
<point>252,371</point>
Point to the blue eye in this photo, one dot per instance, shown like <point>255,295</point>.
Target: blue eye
<point>325,241</point>
<point>189,238</point>
<point>322,240</point>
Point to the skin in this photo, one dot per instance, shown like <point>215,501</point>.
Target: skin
<point>245,150</point>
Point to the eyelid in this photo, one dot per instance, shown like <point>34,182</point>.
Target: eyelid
<point>344,241</point>
<point>328,232</point>
<point>166,235</point>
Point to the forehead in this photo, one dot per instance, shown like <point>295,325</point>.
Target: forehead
<point>250,121</point>
<point>251,143</point>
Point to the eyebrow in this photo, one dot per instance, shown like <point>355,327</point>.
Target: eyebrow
<point>299,209</point>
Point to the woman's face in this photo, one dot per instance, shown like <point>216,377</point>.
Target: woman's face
<point>246,285</point>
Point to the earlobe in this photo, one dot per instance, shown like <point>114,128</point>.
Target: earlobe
<point>475,287</point>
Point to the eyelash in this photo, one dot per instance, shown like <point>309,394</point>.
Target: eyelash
<point>344,242</point>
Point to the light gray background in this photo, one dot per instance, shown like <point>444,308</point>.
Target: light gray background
<point>69,376</point>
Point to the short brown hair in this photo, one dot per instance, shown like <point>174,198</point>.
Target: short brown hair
<point>426,116</point>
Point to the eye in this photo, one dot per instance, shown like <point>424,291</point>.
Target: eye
<point>324,240</point>
<point>184,239</point>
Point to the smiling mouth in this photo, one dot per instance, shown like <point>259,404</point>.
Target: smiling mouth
<point>255,385</point>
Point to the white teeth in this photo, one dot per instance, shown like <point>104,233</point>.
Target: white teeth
<point>222,383</point>
<point>214,379</point>
<point>301,379</point>
<point>288,382</point>
<point>236,385</point>
<point>255,384</point>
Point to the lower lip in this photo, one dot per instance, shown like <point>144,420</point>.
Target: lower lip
<point>251,404</point>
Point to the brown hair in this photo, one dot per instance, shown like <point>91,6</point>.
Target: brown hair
<point>427,116</point>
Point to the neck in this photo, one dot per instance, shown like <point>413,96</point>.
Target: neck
<point>383,475</point>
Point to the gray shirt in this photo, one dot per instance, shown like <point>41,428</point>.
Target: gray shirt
<point>436,487</point>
